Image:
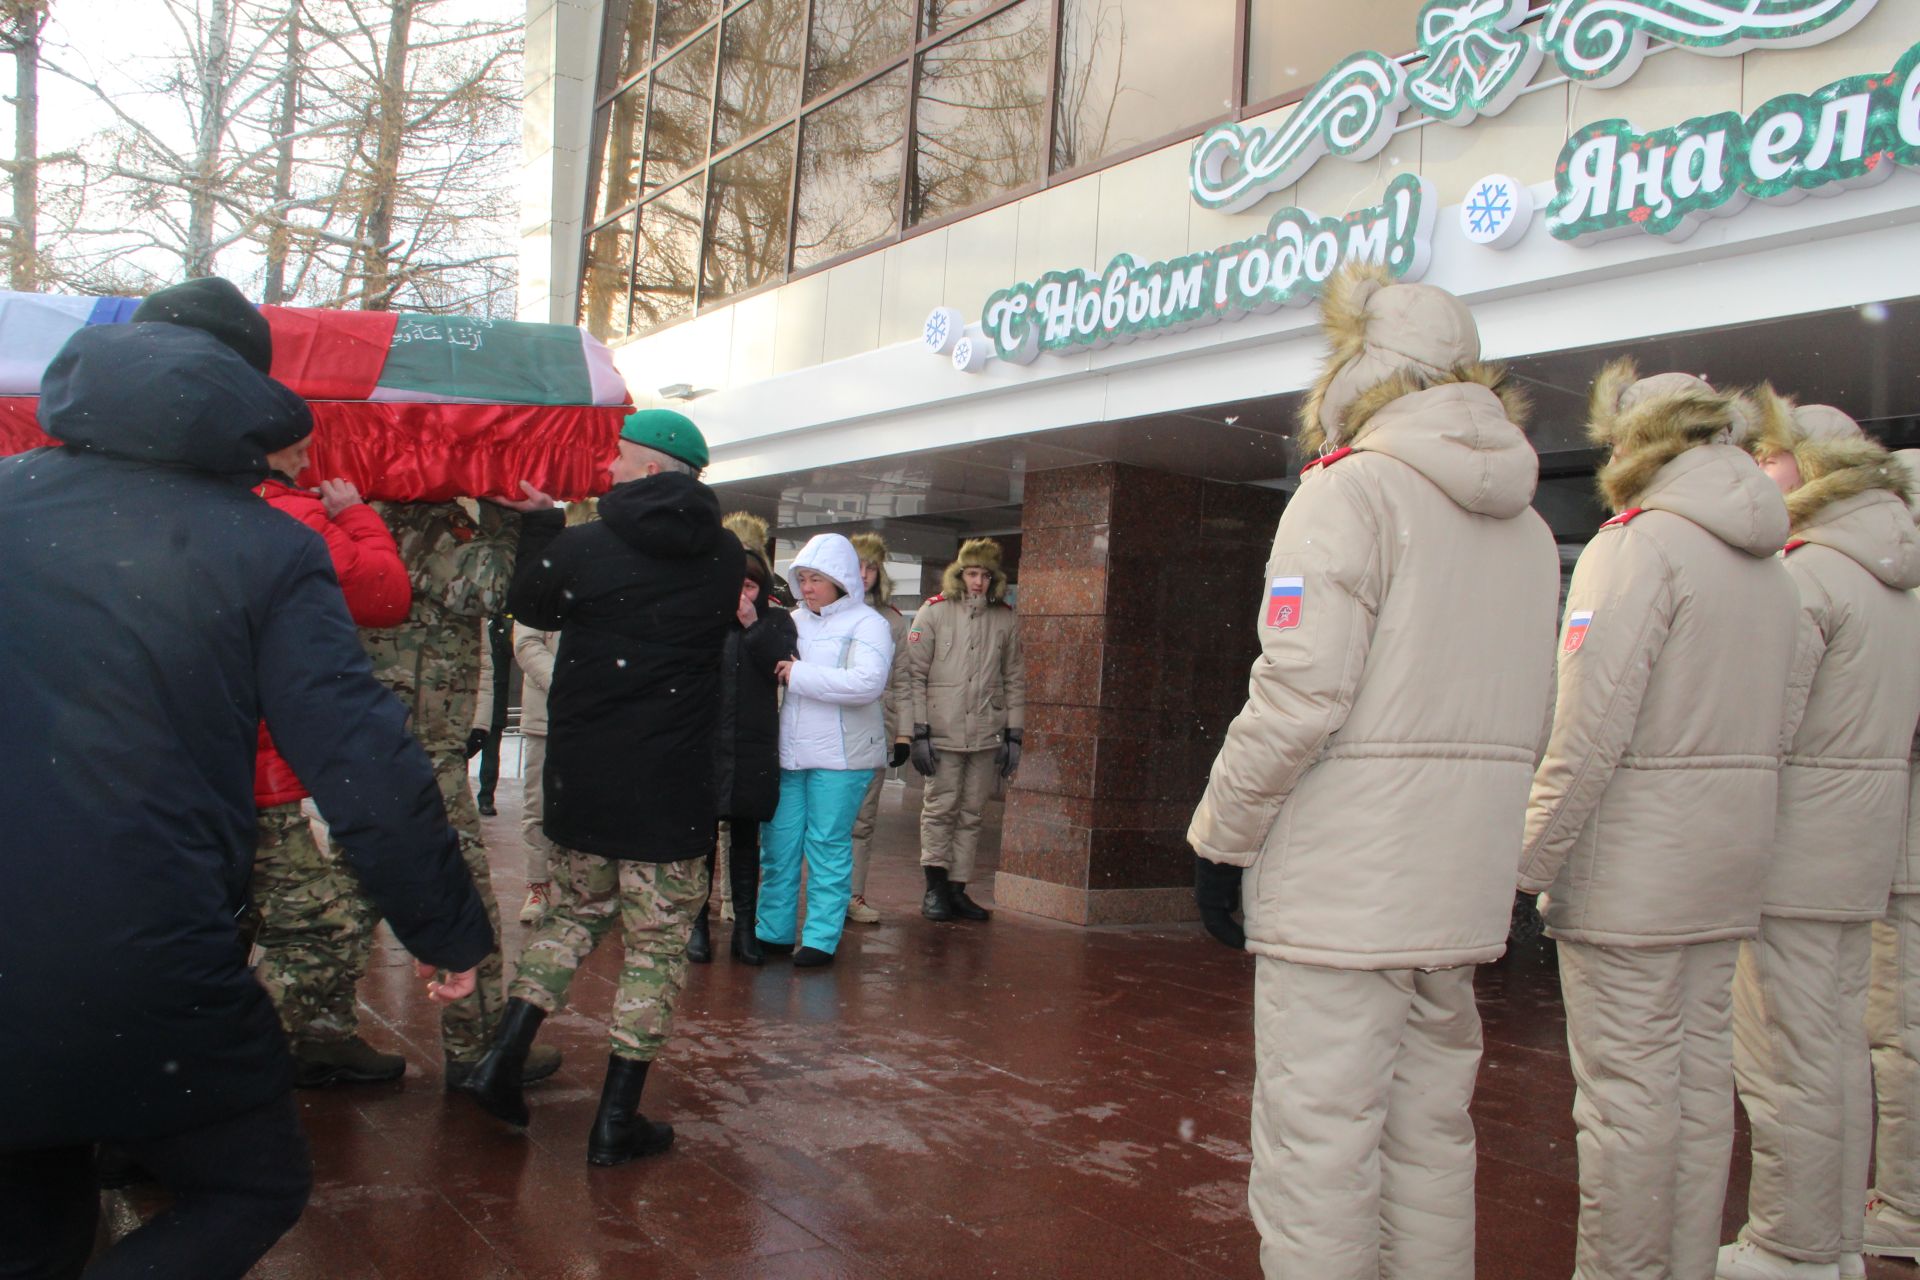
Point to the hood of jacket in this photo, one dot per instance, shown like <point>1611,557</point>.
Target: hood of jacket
<point>1460,435</point>
<point>832,555</point>
<point>1869,525</point>
<point>1721,489</point>
<point>670,515</point>
<point>167,394</point>
<point>1910,459</point>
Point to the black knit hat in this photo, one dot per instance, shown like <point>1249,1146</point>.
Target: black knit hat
<point>214,306</point>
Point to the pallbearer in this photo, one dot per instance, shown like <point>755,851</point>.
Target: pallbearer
<point>1376,782</point>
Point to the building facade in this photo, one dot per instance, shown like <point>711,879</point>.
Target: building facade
<point>1042,269</point>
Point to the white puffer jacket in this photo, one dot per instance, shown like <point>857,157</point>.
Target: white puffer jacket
<point>832,717</point>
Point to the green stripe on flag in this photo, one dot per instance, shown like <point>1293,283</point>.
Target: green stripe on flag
<point>504,361</point>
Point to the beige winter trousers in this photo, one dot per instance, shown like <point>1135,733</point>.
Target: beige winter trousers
<point>1363,1152</point>
<point>863,831</point>
<point>540,851</point>
<point>1893,1023</point>
<point>1800,1054</point>
<point>1647,1032</point>
<point>950,813</point>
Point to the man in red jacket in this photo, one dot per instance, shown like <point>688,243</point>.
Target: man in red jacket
<point>316,925</point>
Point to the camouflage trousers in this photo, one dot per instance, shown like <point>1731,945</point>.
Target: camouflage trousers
<point>317,925</point>
<point>655,903</point>
<point>316,928</point>
<point>467,1026</point>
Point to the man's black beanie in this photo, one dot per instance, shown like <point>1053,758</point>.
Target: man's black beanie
<point>214,306</point>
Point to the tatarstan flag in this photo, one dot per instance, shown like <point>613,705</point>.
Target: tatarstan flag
<point>408,407</point>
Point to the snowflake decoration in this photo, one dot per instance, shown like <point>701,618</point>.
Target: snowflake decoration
<point>1488,209</point>
<point>937,330</point>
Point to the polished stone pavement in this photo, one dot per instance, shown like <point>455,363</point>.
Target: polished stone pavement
<point>1019,1099</point>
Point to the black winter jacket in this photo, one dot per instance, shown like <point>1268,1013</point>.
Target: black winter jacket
<point>746,750</point>
<point>642,599</point>
<point>152,611</point>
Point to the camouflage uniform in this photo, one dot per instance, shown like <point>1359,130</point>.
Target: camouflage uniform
<point>461,566</point>
<point>316,929</point>
<point>656,903</point>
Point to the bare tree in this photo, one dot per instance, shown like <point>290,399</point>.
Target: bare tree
<point>21,23</point>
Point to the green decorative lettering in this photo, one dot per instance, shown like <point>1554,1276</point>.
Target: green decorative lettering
<point>1611,180</point>
<point>1602,42</point>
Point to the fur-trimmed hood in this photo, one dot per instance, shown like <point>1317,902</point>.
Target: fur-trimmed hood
<point>1910,459</point>
<point>749,528</point>
<point>1853,495</point>
<point>1461,436</point>
<point>872,549</point>
<point>981,553</point>
<point>1384,334</point>
<point>1676,446</point>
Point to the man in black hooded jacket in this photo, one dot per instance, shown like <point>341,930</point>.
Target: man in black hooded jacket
<point>152,612</point>
<point>642,599</point>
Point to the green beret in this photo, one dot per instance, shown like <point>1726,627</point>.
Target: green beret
<point>671,433</point>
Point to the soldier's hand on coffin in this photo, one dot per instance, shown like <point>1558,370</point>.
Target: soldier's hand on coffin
<point>534,500</point>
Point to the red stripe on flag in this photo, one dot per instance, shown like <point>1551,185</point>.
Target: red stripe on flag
<point>19,427</point>
<point>429,452</point>
<point>330,355</point>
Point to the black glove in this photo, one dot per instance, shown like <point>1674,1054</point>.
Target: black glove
<point>1008,758</point>
<point>477,742</point>
<point>900,754</point>
<point>1216,888</point>
<point>1526,924</point>
<point>922,753</point>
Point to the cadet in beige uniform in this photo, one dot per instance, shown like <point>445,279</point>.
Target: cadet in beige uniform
<point>1893,1023</point>
<point>1651,819</point>
<point>1800,993</point>
<point>1374,786</point>
<point>969,697</point>
<point>872,549</point>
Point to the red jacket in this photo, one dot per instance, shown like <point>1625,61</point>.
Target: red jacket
<point>378,591</point>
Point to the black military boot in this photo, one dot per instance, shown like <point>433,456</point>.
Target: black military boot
<point>965,908</point>
<point>938,904</point>
<point>620,1133</point>
<point>746,946</point>
<point>700,942</point>
<point>495,1080</point>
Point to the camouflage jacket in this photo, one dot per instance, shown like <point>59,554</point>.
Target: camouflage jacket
<point>460,568</point>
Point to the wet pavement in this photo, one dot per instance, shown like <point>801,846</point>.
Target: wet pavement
<point>1020,1099</point>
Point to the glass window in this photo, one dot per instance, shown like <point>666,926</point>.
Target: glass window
<point>680,19</point>
<point>747,203</point>
<point>1292,43</point>
<point>667,255</point>
<point>850,156</point>
<point>943,15</point>
<point>603,290</point>
<point>682,112</point>
<point>851,36</point>
<point>759,68</point>
<point>1132,71</point>
<point>982,112</point>
<point>630,47</point>
<point>620,153</point>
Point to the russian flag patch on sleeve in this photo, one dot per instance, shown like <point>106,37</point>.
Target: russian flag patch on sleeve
<point>1286,598</point>
<point>1577,624</point>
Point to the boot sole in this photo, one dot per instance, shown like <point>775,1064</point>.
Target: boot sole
<point>607,1159</point>
<point>324,1077</point>
<point>1910,1252</point>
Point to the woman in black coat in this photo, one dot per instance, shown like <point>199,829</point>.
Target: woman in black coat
<point>746,749</point>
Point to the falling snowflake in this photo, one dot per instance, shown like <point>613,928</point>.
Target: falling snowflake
<point>1489,208</point>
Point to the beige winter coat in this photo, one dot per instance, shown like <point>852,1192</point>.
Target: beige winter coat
<point>1376,781</point>
<point>1844,782</point>
<point>1652,814</point>
<point>899,682</point>
<point>1906,877</point>
<point>965,676</point>
<point>534,652</point>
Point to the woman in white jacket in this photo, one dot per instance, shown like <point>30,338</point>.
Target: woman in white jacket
<point>832,738</point>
